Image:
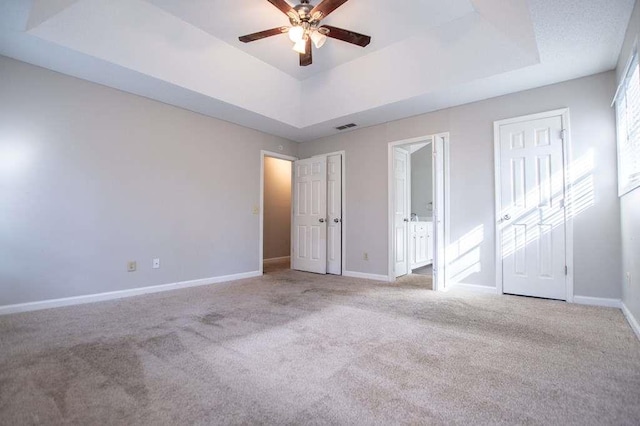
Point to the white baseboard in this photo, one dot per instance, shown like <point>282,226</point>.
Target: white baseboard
<point>474,288</point>
<point>276,259</point>
<point>633,322</point>
<point>374,277</point>
<point>100,297</point>
<point>597,301</point>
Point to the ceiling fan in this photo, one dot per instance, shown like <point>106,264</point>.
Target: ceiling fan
<point>305,28</point>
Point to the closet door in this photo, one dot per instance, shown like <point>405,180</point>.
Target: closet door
<point>309,249</point>
<point>532,213</point>
<point>334,214</point>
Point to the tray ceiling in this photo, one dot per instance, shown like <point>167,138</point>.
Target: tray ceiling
<point>426,54</point>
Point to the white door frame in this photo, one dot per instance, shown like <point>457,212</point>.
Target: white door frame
<point>264,154</point>
<point>344,204</point>
<point>441,246</point>
<point>443,217</point>
<point>568,187</point>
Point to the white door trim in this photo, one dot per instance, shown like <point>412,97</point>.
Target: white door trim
<point>445,217</point>
<point>566,150</point>
<point>264,153</point>
<point>344,204</point>
<point>444,265</point>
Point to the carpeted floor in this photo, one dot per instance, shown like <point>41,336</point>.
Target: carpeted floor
<point>422,281</point>
<point>425,270</point>
<point>297,348</point>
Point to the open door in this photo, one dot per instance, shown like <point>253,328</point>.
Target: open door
<point>402,257</point>
<point>401,212</point>
<point>309,245</point>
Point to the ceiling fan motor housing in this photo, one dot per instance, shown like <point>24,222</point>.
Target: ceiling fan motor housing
<point>303,10</point>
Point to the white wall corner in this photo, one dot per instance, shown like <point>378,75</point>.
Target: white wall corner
<point>112,295</point>
<point>597,301</point>
<point>633,322</point>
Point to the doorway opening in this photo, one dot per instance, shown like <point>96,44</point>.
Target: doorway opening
<point>276,196</point>
<point>418,210</point>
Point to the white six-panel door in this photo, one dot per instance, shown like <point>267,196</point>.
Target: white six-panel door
<point>532,215</point>
<point>309,248</point>
<point>334,214</point>
<point>401,212</point>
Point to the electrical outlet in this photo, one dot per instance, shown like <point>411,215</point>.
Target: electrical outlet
<point>256,210</point>
<point>131,266</point>
<point>156,263</point>
<point>365,256</point>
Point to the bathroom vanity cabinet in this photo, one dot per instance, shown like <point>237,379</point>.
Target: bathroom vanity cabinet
<point>421,244</point>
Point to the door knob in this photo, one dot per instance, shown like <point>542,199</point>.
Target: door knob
<point>406,220</point>
<point>507,217</point>
<point>321,220</point>
<point>336,220</point>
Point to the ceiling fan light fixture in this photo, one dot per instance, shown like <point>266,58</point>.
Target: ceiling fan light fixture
<point>306,30</point>
<point>296,34</point>
<point>300,46</point>
<point>318,39</point>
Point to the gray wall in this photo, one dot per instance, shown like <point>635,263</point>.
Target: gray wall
<point>277,208</point>
<point>91,177</point>
<point>597,229</point>
<point>630,203</point>
<point>422,182</point>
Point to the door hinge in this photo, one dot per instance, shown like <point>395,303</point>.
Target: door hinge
<point>563,134</point>
<point>566,270</point>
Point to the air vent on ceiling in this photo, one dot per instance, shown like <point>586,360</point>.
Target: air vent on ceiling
<point>346,126</point>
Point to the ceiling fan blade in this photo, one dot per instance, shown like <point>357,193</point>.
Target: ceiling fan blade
<point>348,36</point>
<point>263,34</point>
<point>327,6</point>
<point>282,5</point>
<point>306,59</point>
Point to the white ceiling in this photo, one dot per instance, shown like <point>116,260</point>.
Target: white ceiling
<point>424,55</point>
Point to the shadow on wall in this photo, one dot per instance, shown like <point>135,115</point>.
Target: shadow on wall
<point>464,253</point>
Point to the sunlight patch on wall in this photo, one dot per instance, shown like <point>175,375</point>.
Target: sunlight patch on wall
<point>464,255</point>
<point>581,178</point>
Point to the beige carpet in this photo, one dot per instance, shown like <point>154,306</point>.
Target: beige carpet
<point>297,348</point>
<point>417,280</point>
